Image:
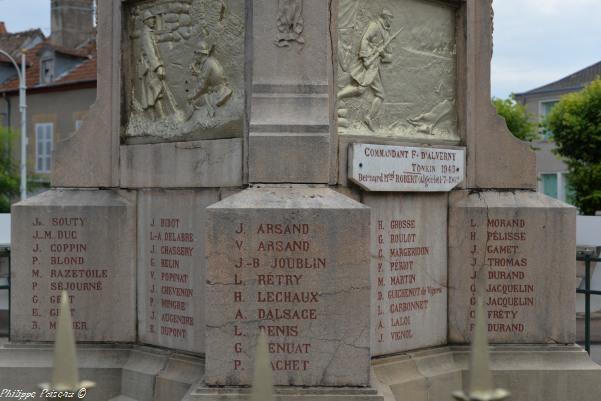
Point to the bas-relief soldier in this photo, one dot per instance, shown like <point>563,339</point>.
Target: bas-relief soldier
<point>212,89</point>
<point>373,52</point>
<point>151,70</point>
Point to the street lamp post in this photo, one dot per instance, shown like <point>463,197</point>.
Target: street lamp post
<point>23,109</point>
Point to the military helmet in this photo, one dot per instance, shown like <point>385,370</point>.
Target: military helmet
<point>147,15</point>
<point>387,13</point>
<point>203,48</point>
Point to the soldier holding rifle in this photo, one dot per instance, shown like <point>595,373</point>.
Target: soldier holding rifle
<point>373,52</point>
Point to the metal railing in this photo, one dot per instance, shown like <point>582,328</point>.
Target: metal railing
<point>587,258</point>
<point>5,281</point>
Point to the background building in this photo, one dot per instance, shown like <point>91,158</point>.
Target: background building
<point>539,102</point>
<point>61,81</point>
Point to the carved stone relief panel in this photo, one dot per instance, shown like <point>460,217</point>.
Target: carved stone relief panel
<point>185,74</point>
<point>397,69</point>
<point>290,23</point>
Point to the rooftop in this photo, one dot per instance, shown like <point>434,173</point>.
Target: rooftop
<point>575,81</point>
<point>12,43</point>
<point>83,71</point>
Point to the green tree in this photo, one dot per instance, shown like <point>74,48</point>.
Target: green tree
<point>576,125</point>
<point>517,118</point>
<point>9,179</point>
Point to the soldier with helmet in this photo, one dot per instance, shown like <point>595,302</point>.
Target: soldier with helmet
<point>212,89</point>
<point>366,73</point>
<point>151,70</point>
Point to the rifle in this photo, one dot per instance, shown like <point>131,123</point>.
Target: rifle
<point>379,50</point>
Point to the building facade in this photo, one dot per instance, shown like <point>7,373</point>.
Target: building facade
<point>61,82</point>
<point>552,172</point>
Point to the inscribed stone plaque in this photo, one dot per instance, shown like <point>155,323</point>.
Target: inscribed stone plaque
<point>83,242</point>
<point>403,168</point>
<point>171,267</point>
<point>397,69</point>
<point>294,263</point>
<point>516,249</point>
<point>408,271</point>
<point>184,76</point>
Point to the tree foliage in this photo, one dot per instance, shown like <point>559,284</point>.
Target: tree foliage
<point>518,120</point>
<point>576,125</point>
<point>9,179</point>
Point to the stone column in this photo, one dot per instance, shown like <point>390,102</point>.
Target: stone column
<point>285,256</point>
<point>290,138</point>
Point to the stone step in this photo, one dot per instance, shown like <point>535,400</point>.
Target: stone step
<point>286,394</point>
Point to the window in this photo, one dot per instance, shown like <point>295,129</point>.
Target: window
<point>43,147</point>
<point>547,106</point>
<point>47,71</point>
<point>77,124</point>
<point>557,185</point>
<point>549,183</point>
<point>544,110</point>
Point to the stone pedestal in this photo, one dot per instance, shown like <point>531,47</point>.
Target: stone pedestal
<point>529,372</point>
<point>121,372</point>
<point>81,241</point>
<point>408,271</point>
<point>517,249</point>
<point>172,267</point>
<point>294,263</point>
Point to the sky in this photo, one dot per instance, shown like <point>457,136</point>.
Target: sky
<point>540,41</point>
<point>536,41</point>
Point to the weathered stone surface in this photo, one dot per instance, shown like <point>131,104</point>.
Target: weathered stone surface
<point>517,248</point>
<point>121,372</point>
<point>289,158</point>
<point>24,366</point>
<point>408,271</point>
<point>529,372</point>
<point>293,262</point>
<point>409,89</point>
<point>184,70</point>
<point>178,375</point>
<point>486,134</point>
<point>290,137</point>
<point>405,169</point>
<point>81,241</point>
<point>182,164</point>
<point>172,267</point>
<point>298,63</point>
<point>287,394</point>
<point>139,373</point>
<point>89,157</point>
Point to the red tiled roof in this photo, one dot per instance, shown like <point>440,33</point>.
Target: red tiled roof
<point>86,71</point>
<point>12,42</point>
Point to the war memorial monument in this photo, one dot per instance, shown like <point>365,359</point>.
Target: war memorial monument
<point>328,172</point>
